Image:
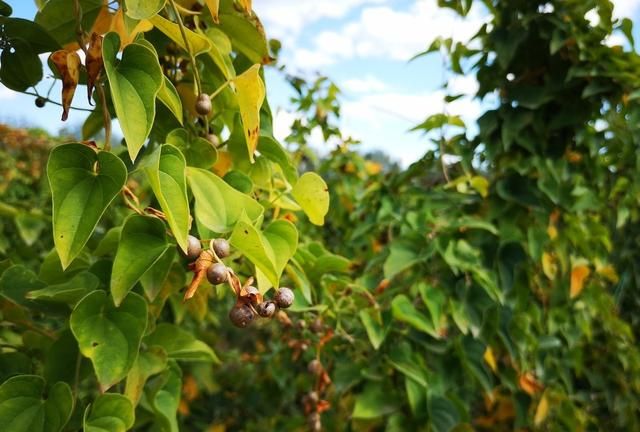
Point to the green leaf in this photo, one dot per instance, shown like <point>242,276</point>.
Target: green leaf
<point>110,412</point>
<point>30,32</point>
<point>134,82</point>
<point>197,151</point>
<point>245,32</point>
<point>5,9</point>
<point>180,344</point>
<point>16,282</point>
<point>435,300</point>
<point>83,184</point>
<point>218,205</point>
<point>374,402</point>
<point>22,408</point>
<point>416,396</point>
<point>374,326</point>
<point>197,42</point>
<point>149,363</point>
<point>401,257</point>
<point>153,279</point>
<point>68,292</point>
<point>164,395</point>
<point>221,52</point>
<point>143,241</point>
<point>20,66</point>
<point>165,170</point>
<point>109,336</point>
<point>405,311</point>
<point>58,19</point>
<point>403,359</point>
<point>143,9</point>
<point>169,96</point>
<point>443,414</point>
<point>269,251</point>
<point>312,193</point>
<point>30,227</point>
<point>272,150</point>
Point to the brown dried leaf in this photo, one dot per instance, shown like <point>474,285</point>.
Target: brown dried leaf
<point>68,65</point>
<point>93,63</point>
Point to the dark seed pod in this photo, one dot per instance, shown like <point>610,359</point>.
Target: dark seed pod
<point>315,367</point>
<point>203,104</point>
<point>40,101</point>
<point>317,325</point>
<point>284,297</point>
<point>266,309</point>
<point>217,273</point>
<point>221,248</point>
<point>193,248</point>
<point>315,424</point>
<point>241,315</point>
<point>301,324</point>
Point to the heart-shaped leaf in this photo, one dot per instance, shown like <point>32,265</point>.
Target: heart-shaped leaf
<point>22,408</point>
<point>250,93</point>
<point>180,344</point>
<point>110,412</point>
<point>143,241</point>
<point>20,66</point>
<point>83,184</point>
<point>109,336</point>
<point>134,84</point>
<point>312,193</point>
<point>165,170</point>
<point>269,251</point>
<point>153,279</point>
<point>218,205</point>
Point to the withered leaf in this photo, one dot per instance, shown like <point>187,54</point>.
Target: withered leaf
<point>94,63</point>
<point>68,65</point>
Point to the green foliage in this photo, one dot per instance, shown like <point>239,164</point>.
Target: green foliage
<point>492,285</point>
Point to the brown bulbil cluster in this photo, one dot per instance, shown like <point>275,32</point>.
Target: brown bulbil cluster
<point>249,301</point>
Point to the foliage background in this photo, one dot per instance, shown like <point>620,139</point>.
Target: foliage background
<point>489,286</point>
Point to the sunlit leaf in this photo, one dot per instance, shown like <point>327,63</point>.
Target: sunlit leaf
<point>110,412</point>
<point>250,92</point>
<point>312,193</point>
<point>83,184</point>
<point>68,65</point>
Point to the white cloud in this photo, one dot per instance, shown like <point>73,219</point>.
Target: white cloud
<point>367,84</point>
<point>380,31</point>
<point>463,84</point>
<point>285,19</point>
<point>625,8</point>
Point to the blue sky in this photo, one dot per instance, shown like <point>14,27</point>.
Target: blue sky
<point>362,45</point>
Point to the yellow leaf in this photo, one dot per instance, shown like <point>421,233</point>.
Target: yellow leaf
<point>103,21</point>
<point>579,274</point>
<point>529,384</point>
<point>213,6</point>
<point>188,97</point>
<point>372,168</point>
<point>68,65</point>
<point>223,163</point>
<point>490,359</point>
<point>246,5</point>
<point>250,92</point>
<point>552,231</point>
<point>549,265</point>
<point>609,273</point>
<point>542,411</point>
<point>481,185</point>
<point>198,43</point>
<point>128,36</point>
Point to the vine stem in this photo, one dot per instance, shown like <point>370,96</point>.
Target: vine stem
<point>219,89</point>
<point>106,117</point>
<point>187,45</point>
<point>54,102</point>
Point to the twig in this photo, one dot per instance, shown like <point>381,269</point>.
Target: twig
<point>106,117</point>
<point>194,65</point>
<point>46,99</point>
